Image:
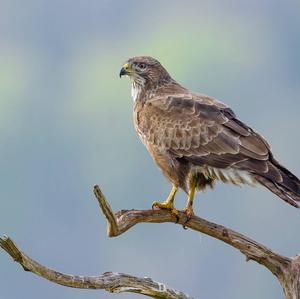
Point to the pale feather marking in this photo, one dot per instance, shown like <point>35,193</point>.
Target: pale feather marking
<point>238,177</point>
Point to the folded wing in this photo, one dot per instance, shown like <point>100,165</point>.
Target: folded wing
<point>206,132</point>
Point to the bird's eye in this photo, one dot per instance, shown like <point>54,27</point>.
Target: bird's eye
<point>142,65</point>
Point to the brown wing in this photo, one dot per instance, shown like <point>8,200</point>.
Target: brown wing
<point>205,131</point>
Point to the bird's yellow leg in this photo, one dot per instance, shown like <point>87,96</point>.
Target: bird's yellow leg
<point>189,206</point>
<point>168,204</point>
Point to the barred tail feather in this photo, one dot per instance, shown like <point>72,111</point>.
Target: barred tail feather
<point>287,188</point>
<point>289,180</point>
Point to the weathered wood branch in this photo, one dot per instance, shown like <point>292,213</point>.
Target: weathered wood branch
<point>286,269</point>
<point>109,281</point>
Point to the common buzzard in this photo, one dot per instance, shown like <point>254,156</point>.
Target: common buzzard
<point>196,140</point>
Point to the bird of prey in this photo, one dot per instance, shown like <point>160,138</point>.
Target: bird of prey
<point>197,140</point>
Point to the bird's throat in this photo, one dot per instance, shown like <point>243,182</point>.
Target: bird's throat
<point>136,90</point>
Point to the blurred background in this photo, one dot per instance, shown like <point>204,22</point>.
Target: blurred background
<point>66,124</point>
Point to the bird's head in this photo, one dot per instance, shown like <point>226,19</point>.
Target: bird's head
<point>145,71</point>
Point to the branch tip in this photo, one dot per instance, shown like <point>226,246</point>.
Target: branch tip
<point>112,228</point>
<point>10,247</point>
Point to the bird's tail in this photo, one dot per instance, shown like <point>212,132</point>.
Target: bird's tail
<point>281,182</point>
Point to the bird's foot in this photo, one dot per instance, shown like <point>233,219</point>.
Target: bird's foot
<point>166,206</point>
<point>189,212</point>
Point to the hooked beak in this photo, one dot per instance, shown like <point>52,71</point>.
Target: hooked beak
<point>125,70</point>
<point>122,72</point>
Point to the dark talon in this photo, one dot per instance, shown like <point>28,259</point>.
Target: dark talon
<point>188,218</point>
<point>177,218</point>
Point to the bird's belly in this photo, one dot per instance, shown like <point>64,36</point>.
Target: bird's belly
<point>230,175</point>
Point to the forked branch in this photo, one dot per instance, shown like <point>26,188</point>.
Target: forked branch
<point>286,269</point>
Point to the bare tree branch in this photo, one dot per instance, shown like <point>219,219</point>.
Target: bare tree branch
<point>109,281</point>
<point>286,269</point>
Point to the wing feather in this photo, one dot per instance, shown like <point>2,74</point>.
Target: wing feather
<point>201,130</point>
